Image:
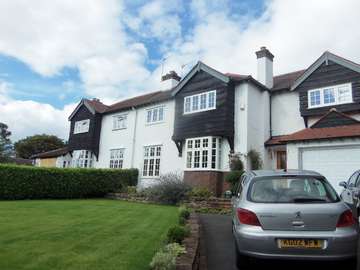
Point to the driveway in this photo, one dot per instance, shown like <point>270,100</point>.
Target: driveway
<point>219,246</point>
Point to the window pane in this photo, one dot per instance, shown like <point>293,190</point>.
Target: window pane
<point>196,159</point>
<point>203,101</point>
<point>148,119</point>
<point>189,160</point>
<point>315,98</point>
<point>211,100</point>
<point>151,167</point>
<point>329,96</point>
<point>213,159</point>
<point>195,103</point>
<point>187,104</point>
<point>155,115</point>
<point>197,143</point>
<point>158,151</point>
<point>157,167</point>
<point>190,144</point>
<point>205,142</point>
<point>152,151</point>
<point>344,93</point>
<point>204,159</point>
<point>145,169</point>
<point>161,114</point>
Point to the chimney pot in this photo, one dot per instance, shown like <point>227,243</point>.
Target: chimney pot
<point>169,80</point>
<point>265,67</point>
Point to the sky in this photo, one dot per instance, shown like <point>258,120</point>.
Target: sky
<point>53,53</point>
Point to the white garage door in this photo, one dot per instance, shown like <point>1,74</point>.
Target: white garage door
<point>335,163</point>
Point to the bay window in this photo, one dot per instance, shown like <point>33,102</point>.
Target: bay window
<point>331,95</point>
<point>82,159</point>
<point>203,153</point>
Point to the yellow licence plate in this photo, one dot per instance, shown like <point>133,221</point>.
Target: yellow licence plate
<point>301,243</point>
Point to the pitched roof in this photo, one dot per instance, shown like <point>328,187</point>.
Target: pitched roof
<point>334,118</point>
<point>325,57</point>
<point>53,153</point>
<point>275,140</point>
<point>140,101</point>
<point>284,81</point>
<point>97,105</point>
<point>324,133</point>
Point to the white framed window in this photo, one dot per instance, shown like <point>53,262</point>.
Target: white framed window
<point>203,153</point>
<point>119,121</point>
<point>116,158</point>
<point>82,126</point>
<point>82,159</point>
<point>201,102</point>
<point>332,95</point>
<point>152,157</point>
<point>155,115</point>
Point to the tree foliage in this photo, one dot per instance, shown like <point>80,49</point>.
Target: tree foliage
<point>5,143</point>
<point>36,144</point>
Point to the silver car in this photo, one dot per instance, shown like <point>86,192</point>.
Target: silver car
<point>291,215</point>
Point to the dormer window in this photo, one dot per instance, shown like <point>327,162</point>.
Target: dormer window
<point>200,102</point>
<point>331,95</point>
<point>82,126</point>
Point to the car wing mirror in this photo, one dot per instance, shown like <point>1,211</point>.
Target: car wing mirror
<point>343,184</point>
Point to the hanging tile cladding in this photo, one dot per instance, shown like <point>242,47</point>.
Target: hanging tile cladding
<point>327,75</point>
<point>218,122</point>
<point>89,140</point>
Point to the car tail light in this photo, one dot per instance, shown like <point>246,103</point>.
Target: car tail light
<point>247,217</point>
<point>346,219</point>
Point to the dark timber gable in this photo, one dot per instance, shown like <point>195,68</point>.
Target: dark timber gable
<point>335,119</point>
<point>85,141</point>
<point>328,74</point>
<point>218,122</point>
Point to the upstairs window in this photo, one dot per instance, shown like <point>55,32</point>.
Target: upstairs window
<point>116,158</point>
<point>155,115</point>
<point>332,95</point>
<point>203,153</point>
<point>200,102</point>
<point>152,156</point>
<point>82,126</point>
<point>119,122</point>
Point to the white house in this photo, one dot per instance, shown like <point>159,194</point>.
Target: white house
<point>307,119</point>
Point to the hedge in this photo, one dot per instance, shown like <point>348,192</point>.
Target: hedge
<point>23,182</point>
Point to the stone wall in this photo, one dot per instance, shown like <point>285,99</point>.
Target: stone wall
<point>212,180</point>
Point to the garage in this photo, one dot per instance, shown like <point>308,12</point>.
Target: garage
<point>336,163</point>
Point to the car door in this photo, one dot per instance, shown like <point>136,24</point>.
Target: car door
<point>348,193</point>
<point>236,198</point>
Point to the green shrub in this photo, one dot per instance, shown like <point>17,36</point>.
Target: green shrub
<point>166,258</point>
<point>170,189</point>
<point>131,190</point>
<point>236,164</point>
<point>233,178</point>
<point>255,159</point>
<point>200,193</point>
<point>177,234</point>
<point>23,182</point>
<point>184,215</point>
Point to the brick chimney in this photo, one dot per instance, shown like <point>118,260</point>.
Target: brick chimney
<point>169,80</point>
<point>265,67</point>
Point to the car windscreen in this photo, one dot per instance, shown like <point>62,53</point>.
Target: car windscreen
<point>291,190</point>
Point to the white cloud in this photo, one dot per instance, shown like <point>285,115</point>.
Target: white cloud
<point>26,118</point>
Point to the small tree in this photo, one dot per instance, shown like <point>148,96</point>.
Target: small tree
<point>255,160</point>
<point>5,143</point>
<point>36,144</point>
<point>237,169</point>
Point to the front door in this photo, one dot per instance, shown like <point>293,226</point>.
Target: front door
<point>281,160</point>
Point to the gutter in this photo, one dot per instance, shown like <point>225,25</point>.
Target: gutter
<point>134,138</point>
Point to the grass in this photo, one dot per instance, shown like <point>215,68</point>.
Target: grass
<point>81,234</point>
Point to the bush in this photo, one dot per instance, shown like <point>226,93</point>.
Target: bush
<point>255,160</point>
<point>177,234</point>
<point>184,215</point>
<point>200,193</point>
<point>236,164</point>
<point>170,189</point>
<point>131,190</point>
<point>233,178</point>
<point>23,182</point>
<point>166,258</point>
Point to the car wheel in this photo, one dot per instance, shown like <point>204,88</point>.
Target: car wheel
<point>242,261</point>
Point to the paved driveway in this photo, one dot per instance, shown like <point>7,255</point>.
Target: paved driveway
<point>219,245</point>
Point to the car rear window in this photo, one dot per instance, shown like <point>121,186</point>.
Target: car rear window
<point>291,190</point>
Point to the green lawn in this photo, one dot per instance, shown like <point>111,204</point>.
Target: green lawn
<point>81,234</point>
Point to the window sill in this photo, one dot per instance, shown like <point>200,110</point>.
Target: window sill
<point>329,105</point>
<point>150,177</point>
<point>155,123</point>
<point>199,111</point>
<point>115,129</point>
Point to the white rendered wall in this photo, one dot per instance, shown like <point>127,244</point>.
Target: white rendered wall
<point>60,161</point>
<point>285,113</point>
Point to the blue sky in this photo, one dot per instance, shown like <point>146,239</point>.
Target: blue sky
<point>53,53</point>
